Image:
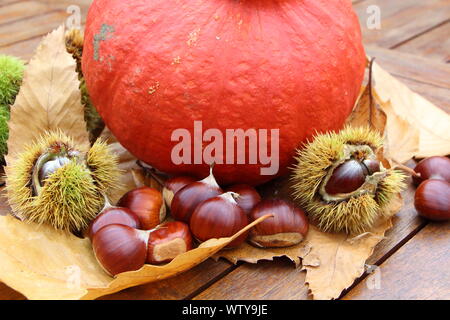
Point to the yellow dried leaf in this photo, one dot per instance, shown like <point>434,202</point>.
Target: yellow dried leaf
<point>43,263</point>
<point>337,259</point>
<point>410,108</point>
<point>49,98</point>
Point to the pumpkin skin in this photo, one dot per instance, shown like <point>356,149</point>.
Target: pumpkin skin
<point>152,67</point>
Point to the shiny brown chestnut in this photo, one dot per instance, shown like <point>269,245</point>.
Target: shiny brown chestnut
<point>113,215</point>
<point>119,248</point>
<point>288,226</point>
<point>432,200</point>
<point>172,185</point>
<point>432,168</point>
<point>346,178</point>
<point>219,217</point>
<point>189,197</point>
<point>248,196</point>
<point>168,241</point>
<point>147,203</point>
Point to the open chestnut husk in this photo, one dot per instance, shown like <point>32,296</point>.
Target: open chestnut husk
<point>248,196</point>
<point>432,200</point>
<point>168,241</point>
<point>189,197</point>
<point>288,226</point>
<point>437,168</point>
<point>147,203</point>
<point>219,217</point>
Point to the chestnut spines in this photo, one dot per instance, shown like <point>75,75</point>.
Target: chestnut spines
<point>219,217</point>
<point>114,215</point>
<point>168,241</point>
<point>432,200</point>
<point>173,185</point>
<point>147,203</point>
<point>189,197</point>
<point>288,226</point>
<point>120,248</point>
<point>248,196</point>
<point>432,168</point>
<point>346,178</point>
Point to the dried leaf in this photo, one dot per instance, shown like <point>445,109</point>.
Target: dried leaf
<point>337,259</point>
<point>406,107</point>
<point>133,175</point>
<point>367,110</point>
<point>43,263</point>
<point>401,139</point>
<point>49,97</point>
<point>251,254</point>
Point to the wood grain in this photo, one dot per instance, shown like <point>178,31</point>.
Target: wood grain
<point>401,20</point>
<point>432,45</point>
<point>418,270</point>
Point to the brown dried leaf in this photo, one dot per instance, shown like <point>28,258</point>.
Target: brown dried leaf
<point>367,110</point>
<point>43,263</point>
<point>337,259</point>
<point>251,254</point>
<point>49,97</point>
<point>407,113</point>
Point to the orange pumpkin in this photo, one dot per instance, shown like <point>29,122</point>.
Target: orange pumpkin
<point>152,67</point>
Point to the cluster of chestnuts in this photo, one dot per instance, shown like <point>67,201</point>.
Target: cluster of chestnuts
<point>213,212</point>
<point>133,233</point>
<point>432,197</point>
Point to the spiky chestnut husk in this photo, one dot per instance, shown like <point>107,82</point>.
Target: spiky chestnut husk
<point>71,196</point>
<point>353,212</point>
<point>11,73</point>
<point>74,44</point>
<point>4,131</point>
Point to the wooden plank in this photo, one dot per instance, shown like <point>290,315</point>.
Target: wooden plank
<point>177,288</point>
<point>418,270</point>
<point>434,44</point>
<point>23,49</point>
<point>401,20</point>
<point>35,26</point>
<point>21,10</point>
<point>411,66</point>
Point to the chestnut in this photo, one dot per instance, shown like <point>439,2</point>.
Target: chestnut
<point>172,185</point>
<point>119,248</point>
<point>346,178</point>
<point>189,197</point>
<point>147,203</point>
<point>432,200</point>
<point>288,226</point>
<point>168,241</point>
<point>113,215</point>
<point>219,217</point>
<point>432,168</point>
<point>248,196</point>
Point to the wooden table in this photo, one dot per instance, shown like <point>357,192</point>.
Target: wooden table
<point>414,45</point>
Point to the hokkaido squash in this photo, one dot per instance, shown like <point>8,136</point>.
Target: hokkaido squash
<point>155,66</point>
